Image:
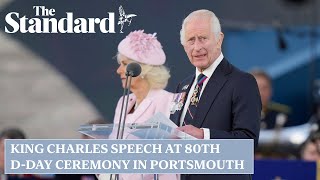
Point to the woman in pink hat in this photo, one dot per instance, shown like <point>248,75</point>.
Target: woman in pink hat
<point>148,95</point>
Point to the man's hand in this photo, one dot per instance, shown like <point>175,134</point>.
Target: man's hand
<point>193,131</point>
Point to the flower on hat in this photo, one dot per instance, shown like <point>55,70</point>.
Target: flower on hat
<point>142,47</point>
<point>141,42</point>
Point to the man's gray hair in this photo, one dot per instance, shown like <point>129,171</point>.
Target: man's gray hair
<point>214,21</point>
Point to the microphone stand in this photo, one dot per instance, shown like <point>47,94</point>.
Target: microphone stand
<point>122,121</point>
<point>125,96</point>
<point>126,107</point>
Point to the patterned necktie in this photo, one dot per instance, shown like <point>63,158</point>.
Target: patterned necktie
<point>192,109</point>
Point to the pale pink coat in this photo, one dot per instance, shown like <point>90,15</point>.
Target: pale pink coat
<point>156,101</point>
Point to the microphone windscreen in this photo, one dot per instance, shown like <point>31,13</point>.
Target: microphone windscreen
<point>133,69</point>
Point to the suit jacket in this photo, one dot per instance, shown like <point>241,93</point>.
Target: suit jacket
<point>230,107</point>
<point>156,101</point>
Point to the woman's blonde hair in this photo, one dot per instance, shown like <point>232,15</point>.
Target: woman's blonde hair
<point>156,76</point>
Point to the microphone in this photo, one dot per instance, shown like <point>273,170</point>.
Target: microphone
<point>133,70</point>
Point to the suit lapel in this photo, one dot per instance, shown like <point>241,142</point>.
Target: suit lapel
<point>144,105</point>
<point>141,109</point>
<point>131,118</point>
<point>212,89</point>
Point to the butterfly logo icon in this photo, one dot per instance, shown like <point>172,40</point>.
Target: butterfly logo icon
<point>123,18</point>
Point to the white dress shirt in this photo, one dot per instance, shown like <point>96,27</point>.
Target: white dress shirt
<point>207,72</point>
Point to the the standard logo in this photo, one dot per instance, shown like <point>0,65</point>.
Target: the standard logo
<point>45,22</point>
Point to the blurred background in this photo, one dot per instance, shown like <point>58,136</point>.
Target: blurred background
<point>52,83</point>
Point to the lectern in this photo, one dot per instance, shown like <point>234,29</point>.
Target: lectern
<point>157,127</point>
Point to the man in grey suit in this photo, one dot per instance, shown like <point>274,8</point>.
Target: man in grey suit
<point>219,100</point>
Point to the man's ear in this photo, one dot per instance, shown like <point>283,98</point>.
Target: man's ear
<point>220,40</point>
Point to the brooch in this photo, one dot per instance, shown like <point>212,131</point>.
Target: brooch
<point>185,87</point>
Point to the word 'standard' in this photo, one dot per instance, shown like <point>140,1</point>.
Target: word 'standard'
<point>45,22</point>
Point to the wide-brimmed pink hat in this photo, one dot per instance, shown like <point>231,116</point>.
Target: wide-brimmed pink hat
<point>143,48</point>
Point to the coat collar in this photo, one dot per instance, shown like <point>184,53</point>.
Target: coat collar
<point>143,106</point>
